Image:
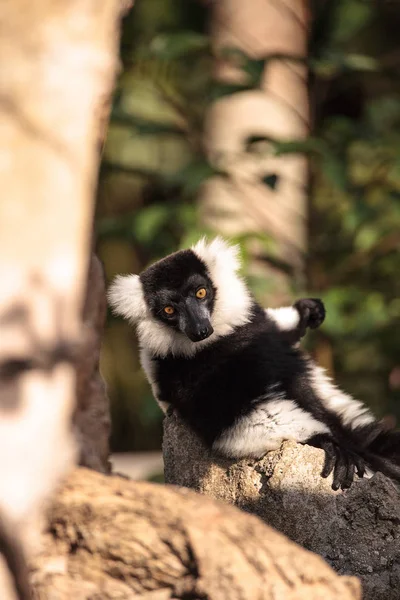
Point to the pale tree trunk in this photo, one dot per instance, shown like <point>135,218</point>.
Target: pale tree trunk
<point>58,65</point>
<point>242,203</point>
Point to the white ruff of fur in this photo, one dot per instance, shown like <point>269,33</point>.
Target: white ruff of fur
<point>125,295</point>
<point>160,340</point>
<point>233,302</point>
<point>263,430</point>
<point>286,318</point>
<point>352,413</point>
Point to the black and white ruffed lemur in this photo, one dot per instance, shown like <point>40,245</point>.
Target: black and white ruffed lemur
<point>233,370</point>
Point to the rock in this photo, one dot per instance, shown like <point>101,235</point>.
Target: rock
<point>357,531</point>
<point>111,538</point>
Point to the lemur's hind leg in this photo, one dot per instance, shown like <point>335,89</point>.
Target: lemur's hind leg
<point>293,321</point>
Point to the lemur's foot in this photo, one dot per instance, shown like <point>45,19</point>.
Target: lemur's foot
<point>312,312</point>
<point>342,461</point>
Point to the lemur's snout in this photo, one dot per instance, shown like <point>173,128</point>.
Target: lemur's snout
<point>199,333</point>
<point>205,332</point>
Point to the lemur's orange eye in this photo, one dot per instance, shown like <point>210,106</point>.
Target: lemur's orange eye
<point>169,310</point>
<point>201,293</point>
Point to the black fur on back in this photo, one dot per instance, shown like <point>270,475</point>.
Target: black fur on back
<point>223,381</point>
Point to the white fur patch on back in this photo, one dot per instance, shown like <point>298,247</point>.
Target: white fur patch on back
<point>353,413</point>
<point>125,295</point>
<point>233,301</point>
<point>286,318</point>
<point>264,429</point>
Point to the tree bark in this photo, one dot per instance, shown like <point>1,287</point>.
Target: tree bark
<point>58,65</point>
<point>242,203</point>
<point>356,531</point>
<point>92,412</point>
<point>109,538</point>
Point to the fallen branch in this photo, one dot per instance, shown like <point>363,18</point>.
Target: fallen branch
<point>112,538</point>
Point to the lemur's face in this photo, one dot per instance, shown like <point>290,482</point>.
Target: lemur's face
<point>179,293</point>
<point>186,300</point>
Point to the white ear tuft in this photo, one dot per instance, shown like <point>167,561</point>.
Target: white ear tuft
<point>218,252</point>
<point>125,296</point>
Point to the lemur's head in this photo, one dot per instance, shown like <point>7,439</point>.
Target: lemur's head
<point>185,300</point>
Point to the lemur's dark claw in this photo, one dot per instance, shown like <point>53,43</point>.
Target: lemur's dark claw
<point>360,466</point>
<point>340,471</point>
<point>339,460</point>
<point>312,312</point>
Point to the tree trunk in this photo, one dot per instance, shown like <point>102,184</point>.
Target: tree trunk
<point>356,531</point>
<point>58,65</point>
<point>111,538</point>
<point>92,412</point>
<point>279,109</point>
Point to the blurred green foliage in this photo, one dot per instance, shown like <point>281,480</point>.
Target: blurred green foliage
<point>154,165</point>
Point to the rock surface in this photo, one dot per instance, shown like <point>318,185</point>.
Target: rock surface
<point>356,531</point>
<point>111,538</point>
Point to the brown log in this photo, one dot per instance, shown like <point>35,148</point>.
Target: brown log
<point>112,538</point>
<point>356,531</point>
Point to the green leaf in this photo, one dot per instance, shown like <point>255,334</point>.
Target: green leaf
<point>255,69</point>
<point>366,238</point>
<point>383,113</point>
<point>149,221</point>
<point>114,226</point>
<point>310,145</point>
<point>145,127</point>
<point>335,170</point>
<point>176,45</point>
<point>219,90</point>
<point>351,17</point>
<point>334,63</point>
<point>193,175</point>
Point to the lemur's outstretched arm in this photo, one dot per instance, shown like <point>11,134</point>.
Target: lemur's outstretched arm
<point>293,321</point>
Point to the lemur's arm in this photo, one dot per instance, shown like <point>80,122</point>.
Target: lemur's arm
<point>293,321</point>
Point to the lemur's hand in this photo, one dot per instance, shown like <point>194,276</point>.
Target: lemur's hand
<point>312,313</point>
<point>342,461</point>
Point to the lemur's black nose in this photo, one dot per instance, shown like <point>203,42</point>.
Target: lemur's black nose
<point>201,332</point>
<point>205,332</point>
